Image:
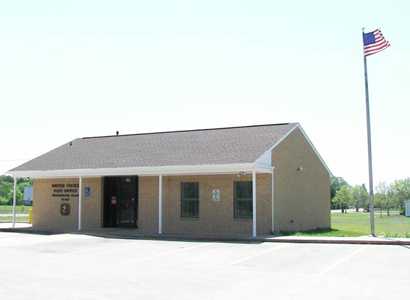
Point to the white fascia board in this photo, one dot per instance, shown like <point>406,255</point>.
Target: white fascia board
<point>259,168</point>
<point>266,157</point>
<point>141,171</point>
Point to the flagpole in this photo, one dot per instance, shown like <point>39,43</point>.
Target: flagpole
<point>369,148</point>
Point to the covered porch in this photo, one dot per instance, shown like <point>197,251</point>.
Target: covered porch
<point>163,194</point>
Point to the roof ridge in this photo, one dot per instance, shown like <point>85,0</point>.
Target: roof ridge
<point>186,130</point>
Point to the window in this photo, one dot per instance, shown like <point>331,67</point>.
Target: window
<point>242,199</point>
<point>189,199</point>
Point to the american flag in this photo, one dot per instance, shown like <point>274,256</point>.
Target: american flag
<point>374,42</point>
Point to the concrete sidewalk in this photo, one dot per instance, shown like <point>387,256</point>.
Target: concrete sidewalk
<point>364,240</point>
<point>9,226</point>
<point>132,234</point>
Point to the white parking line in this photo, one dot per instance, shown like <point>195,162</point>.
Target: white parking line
<point>340,261</point>
<point>249,257</point>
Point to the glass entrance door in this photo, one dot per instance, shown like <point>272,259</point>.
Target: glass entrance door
<point>127,202</point>
<point>121,201</point>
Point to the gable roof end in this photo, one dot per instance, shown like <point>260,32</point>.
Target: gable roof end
<point>265,158</point>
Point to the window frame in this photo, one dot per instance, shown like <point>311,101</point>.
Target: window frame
<point>183,200</point>
<point>236,215</point>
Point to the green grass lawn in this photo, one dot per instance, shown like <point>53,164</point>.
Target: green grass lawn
<point>6,210</point>
<point>357,224</point>
<point>9,219</point>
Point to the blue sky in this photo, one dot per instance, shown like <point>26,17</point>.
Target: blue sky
<point>79,68</point>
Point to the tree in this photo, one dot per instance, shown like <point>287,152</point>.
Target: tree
<point>393,200</point>
<point>360,197</point>
<point>335,184</point>
<point>6,189</point>
<point>20,190</point>
<point>6,192</point>
<point>343,198</point>
<point>380,197</point>
<point>386,198</point>
<point>4,178</point>
<point>401,190</point>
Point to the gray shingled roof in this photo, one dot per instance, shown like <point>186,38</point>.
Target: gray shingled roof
<point>192,147</point>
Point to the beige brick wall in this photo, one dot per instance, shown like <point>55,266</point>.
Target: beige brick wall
<point>302,198</point>
<point>215,218</point>
<point>148,204</point>
<point>46,209</point>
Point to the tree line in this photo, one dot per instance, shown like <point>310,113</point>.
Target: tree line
<point>6,189</point>
<point>387,196</point>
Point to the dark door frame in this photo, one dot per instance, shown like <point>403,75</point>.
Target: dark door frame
<point>114,196</point>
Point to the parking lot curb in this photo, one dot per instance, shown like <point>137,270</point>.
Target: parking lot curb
<point>239,239</point>
<point>375,241</point>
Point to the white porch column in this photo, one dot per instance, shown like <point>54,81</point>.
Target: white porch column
<point>273,199</point>
<point>14,201</point>
<point>80,200</point>
<point>160,205</point>
<point>254,203</point>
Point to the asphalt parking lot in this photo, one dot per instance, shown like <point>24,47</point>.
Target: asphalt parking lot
<point>71,266</point>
